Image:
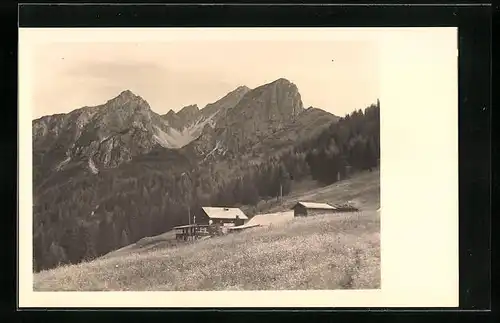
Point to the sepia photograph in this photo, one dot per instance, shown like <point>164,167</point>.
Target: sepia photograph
<point>234,160</point>
<point>216,165</point>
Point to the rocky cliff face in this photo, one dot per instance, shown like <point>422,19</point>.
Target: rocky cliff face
<point>260,112</point>
<point>185,118</point>
<point>102,136</point>
<point>108,135</point>
<point>171,117</point>
<point>189,114</point>
<point>226,103</point>
<point>191,121</point>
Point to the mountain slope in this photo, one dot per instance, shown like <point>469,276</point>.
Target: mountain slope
<point>100,137</point>
<point>260,112</point>
<point>308,124</point>
<point>190,120</point>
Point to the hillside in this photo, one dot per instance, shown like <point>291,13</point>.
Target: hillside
<point>321,252</point>
<point>362,190</point>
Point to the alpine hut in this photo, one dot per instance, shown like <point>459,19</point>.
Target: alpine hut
<point>224,216</point>
<point>311,208</point>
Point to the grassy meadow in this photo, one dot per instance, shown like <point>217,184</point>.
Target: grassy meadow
<point>324,252</point>
<point>339,251</point>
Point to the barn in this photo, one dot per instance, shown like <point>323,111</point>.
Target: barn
<point>311,208</point>
<point>225,216</point>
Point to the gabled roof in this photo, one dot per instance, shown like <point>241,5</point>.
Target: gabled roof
<point>190,226</point>
<point>183,226</point>
<point>244,226</point>
<point>312,205</point>
<point>271,218</point>
<point>224,213</point>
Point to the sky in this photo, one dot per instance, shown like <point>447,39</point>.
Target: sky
<point>176,72</point>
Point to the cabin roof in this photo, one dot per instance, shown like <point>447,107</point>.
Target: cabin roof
<point>271,218</point>
<point>184,226</point>
<point>190,226</point>
<point>224,213</point>
<point>244,226</point>
<point>313,205</point>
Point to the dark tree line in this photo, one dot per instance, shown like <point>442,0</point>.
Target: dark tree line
<point>350,145</point>
<point>88,216</point>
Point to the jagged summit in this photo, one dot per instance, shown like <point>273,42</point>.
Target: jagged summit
<point>281,80</point>
<point>229,100</point>
<point>169,113</point>
<point>260,111</point>
<point>189,110</point>
<point>242,88</point>
<point>125,126</point>
<point>127,93</point>
<point>128,100</point>
<point>281,84</point>
<point>278,83</point>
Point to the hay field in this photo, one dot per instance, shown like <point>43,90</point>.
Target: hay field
<point>321,252</point>
<point>324,252</point>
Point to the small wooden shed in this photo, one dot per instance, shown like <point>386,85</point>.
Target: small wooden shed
<point>312,208</point>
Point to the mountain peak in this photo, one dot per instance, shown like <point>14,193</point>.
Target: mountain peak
<point>261,111</point>
<point>242,88</point>
<point>189,112</point>
<point>281,83</point>
<point>189,109</point>
<point>186,116</point>
<point>126,94</point>
<point>169,113</point>
<point>126,98</point>
<point>281,80</point>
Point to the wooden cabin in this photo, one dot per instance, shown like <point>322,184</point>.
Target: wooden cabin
<point>310,208</point>
<point>212,221</point>
<point>223,216</point>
